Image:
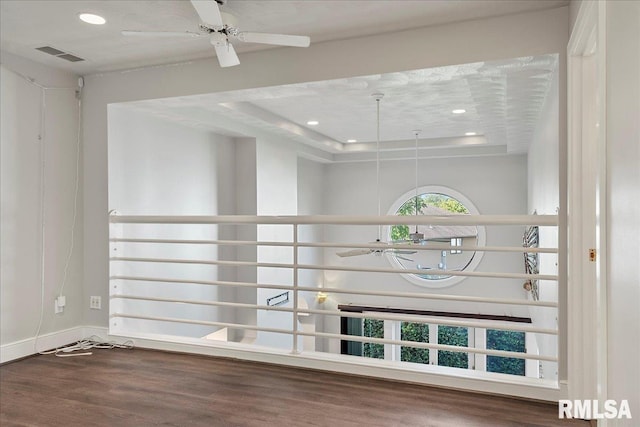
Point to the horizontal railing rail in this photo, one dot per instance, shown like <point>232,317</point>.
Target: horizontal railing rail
<point>451,348</point>
<point>132,282</point>
<point>354,315</point>
<point>413,295</point>
<point>541,220</point>
<point>495,275</point>
<point>431,246</point>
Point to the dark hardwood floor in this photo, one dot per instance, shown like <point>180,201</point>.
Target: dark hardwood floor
<point>147,388</point>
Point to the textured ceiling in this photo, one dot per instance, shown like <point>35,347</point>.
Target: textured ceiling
<point>502,99</point>
<point>26,25</point>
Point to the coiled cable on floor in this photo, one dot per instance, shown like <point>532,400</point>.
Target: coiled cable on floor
<point>81,347</point>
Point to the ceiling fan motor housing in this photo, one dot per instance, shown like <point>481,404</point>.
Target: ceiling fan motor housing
<point>416,237</point>
<point>218,39</point>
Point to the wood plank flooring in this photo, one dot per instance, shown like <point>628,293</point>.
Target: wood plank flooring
<point>151,388</point>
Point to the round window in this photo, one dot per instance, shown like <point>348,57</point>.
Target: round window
<point>438,201</point>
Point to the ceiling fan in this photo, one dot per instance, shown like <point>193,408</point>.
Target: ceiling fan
<point>220,27</point>
<point>398,253</point>
<point>378,251</point>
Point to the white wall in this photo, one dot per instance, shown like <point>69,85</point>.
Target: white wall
<point>277,194</point>
<point>496,185</point>
<point>311,201</point>
<point>623,210</point>
<point>482,40</point>
<point>162,168</point>
<point>26,143</point>
<point>246,204</point>
<point>543,167</point>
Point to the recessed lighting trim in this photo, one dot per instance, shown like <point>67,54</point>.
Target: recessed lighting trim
<point>352,140</point>
<point>471,133</point>
<point>91,18</point>
<point>459,111</point>
<point>313,122</point>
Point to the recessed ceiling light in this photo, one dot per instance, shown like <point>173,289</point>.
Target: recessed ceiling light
<point>312,122</point>
<point>352,140</point>
<point>470,133</point>
<point>90,18</point>
<point>459,111</point>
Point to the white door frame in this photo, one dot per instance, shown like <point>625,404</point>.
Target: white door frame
<point>586,302</point>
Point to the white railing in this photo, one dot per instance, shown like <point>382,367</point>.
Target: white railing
<point>155,283</point>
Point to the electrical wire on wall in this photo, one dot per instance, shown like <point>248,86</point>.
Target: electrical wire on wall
<point>43,166</point>
<point>75,194</point>
<point>42,138</point>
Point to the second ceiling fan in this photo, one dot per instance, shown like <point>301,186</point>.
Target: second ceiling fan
<point>379,248</point>
<point>219,27</point>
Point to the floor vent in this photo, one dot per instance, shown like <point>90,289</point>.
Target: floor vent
<point>59,53</point>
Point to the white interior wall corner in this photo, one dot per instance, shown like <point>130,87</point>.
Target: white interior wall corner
<point>25,148</point>
<point>543,170</point>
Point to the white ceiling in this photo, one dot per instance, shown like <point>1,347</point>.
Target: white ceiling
<point>26,25</point>
<point>503,99</point>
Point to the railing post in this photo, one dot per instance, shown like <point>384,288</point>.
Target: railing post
<point>295,349</point>
<point>115,249</point>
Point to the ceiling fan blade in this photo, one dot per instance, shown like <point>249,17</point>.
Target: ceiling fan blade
<point>209,12</point>
<point>355,252</point>
<point>403,252</point>
<point>276,39</point>
<point>226,54</point>
<point>160,33</point>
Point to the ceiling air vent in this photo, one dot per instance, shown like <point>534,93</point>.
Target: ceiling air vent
<point>70,57</point>
<point>50,50</point>
<point>59,53</point>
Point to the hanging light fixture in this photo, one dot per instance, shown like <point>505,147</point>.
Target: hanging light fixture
<point>416,237</point>
<point>397,252</point>
<point>378,96</point>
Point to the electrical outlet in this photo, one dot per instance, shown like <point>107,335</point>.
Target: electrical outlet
<point>57,308</point>
<point>58,304</point>
<point>95,303</point>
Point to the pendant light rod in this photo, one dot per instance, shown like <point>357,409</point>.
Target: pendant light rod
<point>416,133</point>
<point>378,96</point>
<point>416,237</point>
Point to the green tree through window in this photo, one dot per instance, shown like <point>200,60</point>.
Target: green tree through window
<point>401,232</point>
<point>508,341</point>
<point>418,332</point>
<point>453,335</point>
<point>373,328</point>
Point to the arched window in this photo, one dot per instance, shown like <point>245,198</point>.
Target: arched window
<point>436,200</point>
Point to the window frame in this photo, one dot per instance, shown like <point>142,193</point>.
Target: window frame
<point>476,337</point>
<point>481,239</point>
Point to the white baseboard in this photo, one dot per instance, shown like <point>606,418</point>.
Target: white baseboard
<point>102,332</point>
<point>29,346</point>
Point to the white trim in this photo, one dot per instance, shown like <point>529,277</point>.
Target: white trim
<point>101,331</point>
<point>586,287</point>
<point>27,347</point>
